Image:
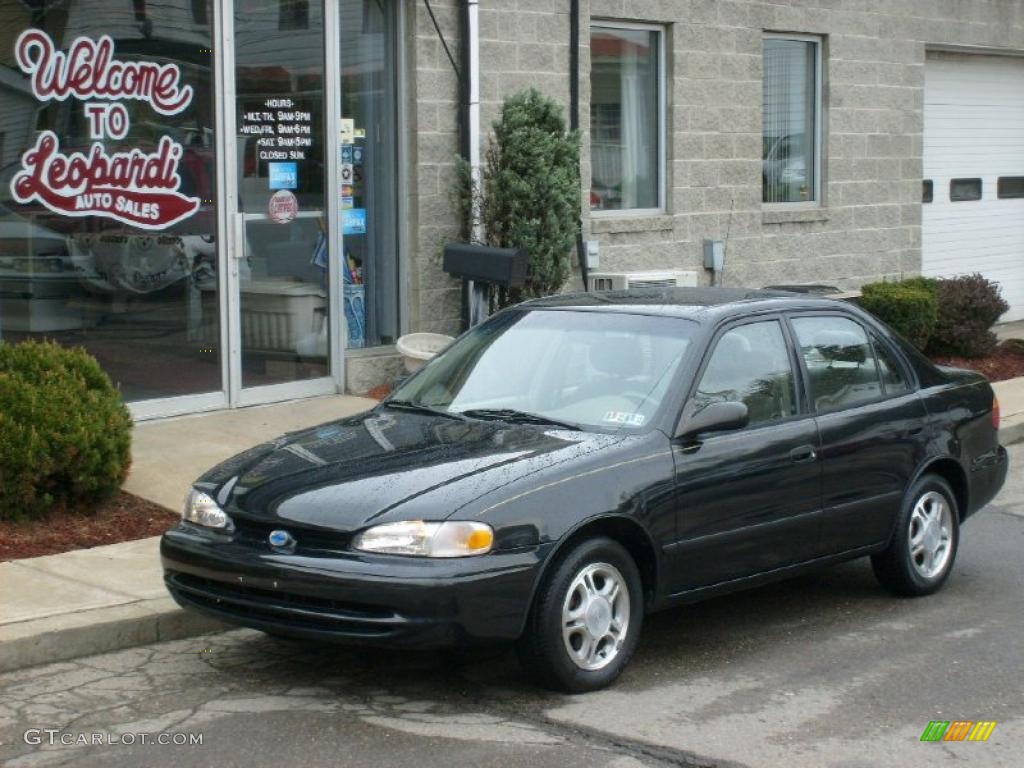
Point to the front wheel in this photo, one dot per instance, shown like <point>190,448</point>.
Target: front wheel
<point>920,556</point>
<point>585,622</point>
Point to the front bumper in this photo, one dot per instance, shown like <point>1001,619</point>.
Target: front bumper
<point>351,596</point>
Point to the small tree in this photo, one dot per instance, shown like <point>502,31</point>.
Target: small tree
<point>529,196</point>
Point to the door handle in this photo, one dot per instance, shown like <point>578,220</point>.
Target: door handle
<point>238,247</point>
<point>803,454</point>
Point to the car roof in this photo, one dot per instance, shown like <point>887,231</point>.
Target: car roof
<point>703,304</point>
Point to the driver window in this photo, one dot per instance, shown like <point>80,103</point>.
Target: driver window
<point>751,365</point>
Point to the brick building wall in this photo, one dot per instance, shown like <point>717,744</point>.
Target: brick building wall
<point>869,223</point>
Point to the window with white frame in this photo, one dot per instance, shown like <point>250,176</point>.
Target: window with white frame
<point>791,125</point>
<point>627,113</point>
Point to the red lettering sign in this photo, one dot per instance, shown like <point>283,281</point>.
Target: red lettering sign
<point>132,187</point>
<point>89,71</point>
<point>135,187</point>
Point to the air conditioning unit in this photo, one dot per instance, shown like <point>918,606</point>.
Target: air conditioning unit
<point>619,281</point>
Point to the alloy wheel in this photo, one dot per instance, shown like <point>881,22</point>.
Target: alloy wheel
<point>931,534</point>
<point>595,616</point>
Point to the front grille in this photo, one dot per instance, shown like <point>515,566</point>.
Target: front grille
<point>308,539</point>
<point>284,609</point>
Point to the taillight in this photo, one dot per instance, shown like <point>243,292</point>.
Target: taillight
<point>995,413</point>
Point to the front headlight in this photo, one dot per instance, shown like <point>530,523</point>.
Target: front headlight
<point>415,537</point>
<point>203,510</point>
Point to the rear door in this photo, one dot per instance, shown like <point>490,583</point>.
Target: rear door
<point>746,500</point>
<point>871,423</point>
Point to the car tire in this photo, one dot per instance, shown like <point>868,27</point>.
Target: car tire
<point>585,621</point>
<point>920,555</point>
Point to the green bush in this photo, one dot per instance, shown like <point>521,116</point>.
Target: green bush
<point>530,192</point>
<point>968,308</point>
<point>911,310</point>
<point>65,435</point>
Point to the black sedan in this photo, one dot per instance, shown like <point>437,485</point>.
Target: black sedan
<point>579,461</point>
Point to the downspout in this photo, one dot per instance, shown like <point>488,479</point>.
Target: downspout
<point>472,86</point>
<point>475,298</point>
<point>574,115</point>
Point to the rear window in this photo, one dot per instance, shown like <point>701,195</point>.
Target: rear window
<point>840,362</point>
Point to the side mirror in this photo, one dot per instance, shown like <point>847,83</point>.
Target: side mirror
<point>715,417</point>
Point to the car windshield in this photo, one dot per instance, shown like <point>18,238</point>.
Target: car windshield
<point>606,370</point>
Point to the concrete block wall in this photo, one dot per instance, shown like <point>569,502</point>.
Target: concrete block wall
<point>522,44</point>
<point>432,106</point>
<point>868,226</point>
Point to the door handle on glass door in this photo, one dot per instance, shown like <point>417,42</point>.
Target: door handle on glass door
<point>238,247</point>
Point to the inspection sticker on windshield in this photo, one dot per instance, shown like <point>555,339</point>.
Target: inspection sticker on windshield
<point>621,417</point>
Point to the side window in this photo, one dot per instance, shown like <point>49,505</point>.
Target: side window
<point>894,379</point>
<point>751,365</point>
<point>840,362</point>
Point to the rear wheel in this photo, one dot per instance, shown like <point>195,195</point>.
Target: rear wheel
<point>921,554</point>
<point>585,622</point>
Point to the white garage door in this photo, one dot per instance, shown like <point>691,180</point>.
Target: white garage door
<point>974,145</point>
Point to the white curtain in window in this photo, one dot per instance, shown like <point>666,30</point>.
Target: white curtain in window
<point>625,118</point>
<point>789,120</point>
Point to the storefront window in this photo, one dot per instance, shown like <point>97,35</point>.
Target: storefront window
<point>369,171</point>
<point>107,188</point>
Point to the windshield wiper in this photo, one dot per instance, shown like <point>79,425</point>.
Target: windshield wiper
<point>517,417</point>
<point>409,405</point>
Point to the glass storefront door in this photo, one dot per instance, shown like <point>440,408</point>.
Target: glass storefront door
<point>282,226</point>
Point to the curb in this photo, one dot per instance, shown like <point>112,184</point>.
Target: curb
<point>71,636</point>
<point>1012,433</point>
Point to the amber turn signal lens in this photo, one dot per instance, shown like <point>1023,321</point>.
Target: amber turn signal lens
<point>480,540</point>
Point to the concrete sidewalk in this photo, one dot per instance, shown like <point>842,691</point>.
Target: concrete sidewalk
<point>1011,410</point>
<point>80,603</point>
<point>95,600</point>
<point>167,455</point>
<point>1014,330</point>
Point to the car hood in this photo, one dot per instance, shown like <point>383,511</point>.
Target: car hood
<point>389,465</point>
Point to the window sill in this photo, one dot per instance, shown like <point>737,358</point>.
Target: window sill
<point>630,223</point>
<point>783,216</point>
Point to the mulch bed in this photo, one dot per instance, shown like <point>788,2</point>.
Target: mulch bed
<point>123,518</point>
<point>379,393</point>
<point>1007,362</point>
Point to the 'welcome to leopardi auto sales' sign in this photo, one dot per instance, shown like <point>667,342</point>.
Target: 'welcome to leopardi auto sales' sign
<point>134,187</point>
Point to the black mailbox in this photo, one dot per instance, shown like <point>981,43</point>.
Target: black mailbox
<point>504,267</point>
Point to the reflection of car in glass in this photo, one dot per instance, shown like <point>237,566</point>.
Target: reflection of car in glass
<point>576,462</point>
<point>785,167</point>
<point>38,279</point>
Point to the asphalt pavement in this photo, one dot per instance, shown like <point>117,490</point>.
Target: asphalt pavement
<point>823,670</point>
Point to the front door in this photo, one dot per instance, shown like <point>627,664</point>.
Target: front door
<point>280,162</point>
<point>746,501</point>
